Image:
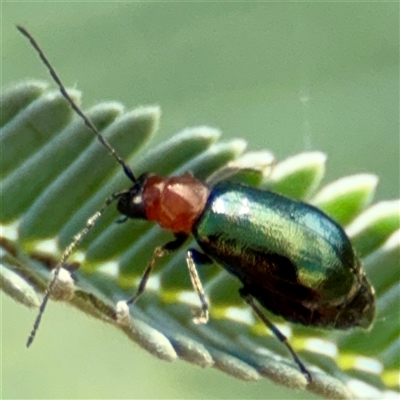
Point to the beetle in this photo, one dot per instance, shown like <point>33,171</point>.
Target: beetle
<point>292,259</point>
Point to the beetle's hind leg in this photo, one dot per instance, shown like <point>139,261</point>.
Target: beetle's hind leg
<point>159,252</point>
<point>248,298</point>
<point>194,257</point>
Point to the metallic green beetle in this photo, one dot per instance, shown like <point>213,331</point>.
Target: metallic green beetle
<point>290,257</point>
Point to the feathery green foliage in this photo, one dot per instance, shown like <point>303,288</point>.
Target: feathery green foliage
<point>55,176</point>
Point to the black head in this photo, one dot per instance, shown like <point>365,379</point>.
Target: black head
<point>131,202</point>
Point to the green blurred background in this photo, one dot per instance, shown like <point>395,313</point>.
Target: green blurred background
<point>286,76</point>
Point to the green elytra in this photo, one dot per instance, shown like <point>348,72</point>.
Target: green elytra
<point>295,260</point>
<point>291,257</point>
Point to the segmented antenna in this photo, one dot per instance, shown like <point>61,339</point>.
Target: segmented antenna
<point>94,218</point>
<point>90,223</point>
<point>75,107</point>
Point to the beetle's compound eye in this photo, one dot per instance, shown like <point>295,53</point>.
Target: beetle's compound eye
<point>131,203</point>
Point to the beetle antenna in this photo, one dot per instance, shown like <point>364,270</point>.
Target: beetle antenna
<point>90,223</point>
<point>75,107</point>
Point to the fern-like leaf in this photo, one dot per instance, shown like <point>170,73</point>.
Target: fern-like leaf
<point>55,175</point>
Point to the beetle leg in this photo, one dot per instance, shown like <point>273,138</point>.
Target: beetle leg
<point>193,256</point>
<point>159,252</point>
<point>248,298</point>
